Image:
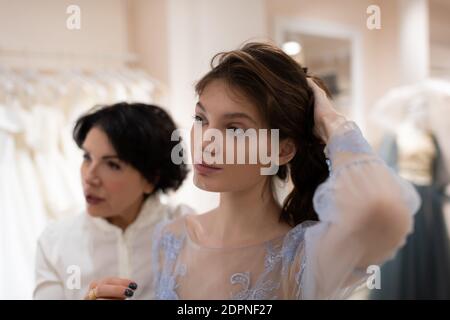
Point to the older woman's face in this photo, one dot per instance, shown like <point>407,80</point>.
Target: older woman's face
<point>111,186</point>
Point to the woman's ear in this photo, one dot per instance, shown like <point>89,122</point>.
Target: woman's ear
<point>288,150</point>
<point>148,187</point>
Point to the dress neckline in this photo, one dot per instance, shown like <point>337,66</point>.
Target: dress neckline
<point>201,246</point>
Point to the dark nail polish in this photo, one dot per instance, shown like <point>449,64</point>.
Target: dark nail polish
<point>133,286</point>
<point>129,293</point>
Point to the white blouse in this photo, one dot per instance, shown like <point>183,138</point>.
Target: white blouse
<point>77,250</point>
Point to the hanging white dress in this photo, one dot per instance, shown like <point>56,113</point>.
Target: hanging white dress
<point>17,240</point>
<point>43,134</point>
<point>29,180</point>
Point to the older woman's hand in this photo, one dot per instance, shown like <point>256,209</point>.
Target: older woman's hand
<point>111,288</point>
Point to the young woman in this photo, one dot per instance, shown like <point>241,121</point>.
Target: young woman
<point>127,152</point>
<point>336,222</point>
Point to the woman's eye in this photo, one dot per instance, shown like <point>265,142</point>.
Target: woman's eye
<point>198,119</point>
<point>236,130</point>
<point>113,165</point>
<point>86,157</point>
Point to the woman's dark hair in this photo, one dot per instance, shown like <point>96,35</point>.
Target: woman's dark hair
<point>141,136</point>
<point>277,85</point>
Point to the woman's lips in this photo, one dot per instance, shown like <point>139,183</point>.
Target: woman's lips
<point>92,200</point>
<point>206,169</point>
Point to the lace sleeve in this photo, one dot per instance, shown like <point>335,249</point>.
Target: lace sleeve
<point>365,213</point>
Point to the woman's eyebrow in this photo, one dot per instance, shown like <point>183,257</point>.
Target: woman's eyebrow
<point>201,106</point>
<point>231,115</point>
<point>234,115</point>
<point>112,156</point>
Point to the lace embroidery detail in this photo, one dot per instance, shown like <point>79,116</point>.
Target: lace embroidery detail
<point>299,279</point>
<point>261,291</point>
<point>272,258</point>
<point>264,288</point>
<point>291,243</point>
<point>242,278</point>
<point>166,281</point>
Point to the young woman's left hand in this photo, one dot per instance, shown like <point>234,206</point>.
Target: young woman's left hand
<point>326,117</point>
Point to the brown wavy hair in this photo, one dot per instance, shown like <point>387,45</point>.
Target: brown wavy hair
<point>277,85</point>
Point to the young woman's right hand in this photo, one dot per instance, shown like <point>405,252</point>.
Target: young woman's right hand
<point>111,288</point>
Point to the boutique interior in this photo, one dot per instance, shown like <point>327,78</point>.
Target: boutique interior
<point>386,62</point>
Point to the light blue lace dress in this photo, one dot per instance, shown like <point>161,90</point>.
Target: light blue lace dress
<point>365,214</point>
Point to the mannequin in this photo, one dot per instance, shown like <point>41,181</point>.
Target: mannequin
<point>421,269</point>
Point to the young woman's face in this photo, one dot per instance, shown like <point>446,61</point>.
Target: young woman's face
<point>111,187</point>
<point>221,108</point>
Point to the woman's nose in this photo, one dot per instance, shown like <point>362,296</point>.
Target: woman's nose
<point>91,176</point>
<point>212,142</point>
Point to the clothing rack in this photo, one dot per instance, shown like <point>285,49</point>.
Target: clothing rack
<point>63,60</point>
<point>126,57</point>
<point>83,61</point>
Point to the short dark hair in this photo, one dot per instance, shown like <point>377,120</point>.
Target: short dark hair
<point>141,136</point>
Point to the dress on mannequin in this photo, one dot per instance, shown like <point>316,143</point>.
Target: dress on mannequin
<point>421,269</point>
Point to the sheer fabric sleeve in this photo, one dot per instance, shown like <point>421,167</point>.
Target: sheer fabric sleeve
<point>365,213</point>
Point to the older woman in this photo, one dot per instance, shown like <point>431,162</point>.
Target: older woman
<point>127,164</point>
